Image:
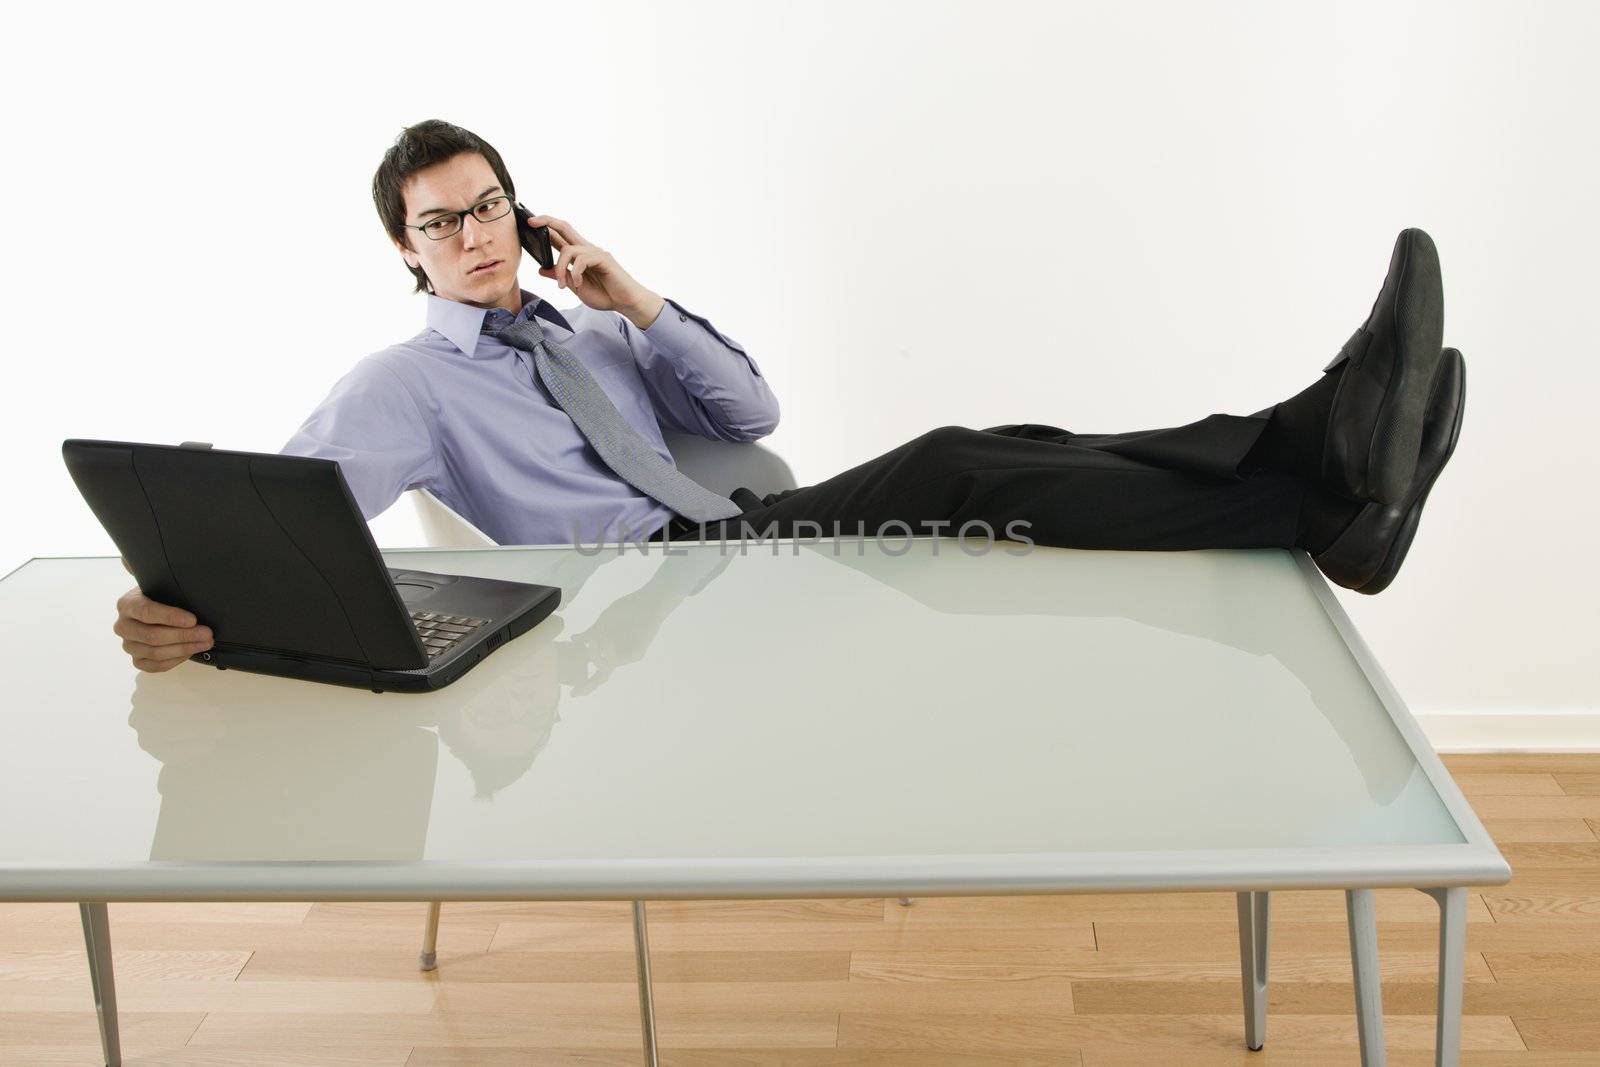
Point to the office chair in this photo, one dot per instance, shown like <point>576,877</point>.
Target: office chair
<point>442,527</point>
<point>721,466</point>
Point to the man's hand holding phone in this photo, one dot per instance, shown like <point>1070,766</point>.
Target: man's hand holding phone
<point>594,275</point>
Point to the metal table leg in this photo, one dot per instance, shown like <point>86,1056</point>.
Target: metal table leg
<point>97,940</point>
<point>1253,965</point>
<point>428,959</point>
<point>1452,965</point>
<point>647,1006</point>
<point>1361,906</point>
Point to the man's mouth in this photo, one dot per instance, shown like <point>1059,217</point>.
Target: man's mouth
<point>480,268</point>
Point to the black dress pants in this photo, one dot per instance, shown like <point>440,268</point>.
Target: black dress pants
<point>1184,487</point>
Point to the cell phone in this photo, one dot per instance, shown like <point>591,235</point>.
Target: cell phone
<point>536,239</point>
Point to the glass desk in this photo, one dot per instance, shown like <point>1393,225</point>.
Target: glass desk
<point>783,719</point>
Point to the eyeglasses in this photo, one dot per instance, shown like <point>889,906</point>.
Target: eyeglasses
<point>448,224</point>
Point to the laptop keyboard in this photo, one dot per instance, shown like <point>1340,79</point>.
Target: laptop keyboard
<point>441,633</point>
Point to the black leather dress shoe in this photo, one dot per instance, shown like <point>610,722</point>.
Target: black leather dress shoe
<point>1368,554</point>
<point>1375,423</point>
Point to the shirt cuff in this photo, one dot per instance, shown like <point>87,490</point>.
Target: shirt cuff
<point>678,330</point>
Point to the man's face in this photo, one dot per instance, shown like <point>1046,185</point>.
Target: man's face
<point>456,264</point>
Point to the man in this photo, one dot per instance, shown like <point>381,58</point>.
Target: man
<point>540,426</point>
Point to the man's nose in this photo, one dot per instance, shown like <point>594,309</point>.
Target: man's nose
<point>473,232</point>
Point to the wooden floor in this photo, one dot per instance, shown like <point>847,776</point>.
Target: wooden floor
<point>1097,981</point>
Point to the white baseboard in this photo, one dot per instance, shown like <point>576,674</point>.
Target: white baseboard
<point>1562,730</point>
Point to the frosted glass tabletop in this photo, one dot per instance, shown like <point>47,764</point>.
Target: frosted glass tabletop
<point>716,720</point>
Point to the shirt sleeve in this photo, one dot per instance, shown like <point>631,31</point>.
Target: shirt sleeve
<point>700,381</point>
<point>374,428</point>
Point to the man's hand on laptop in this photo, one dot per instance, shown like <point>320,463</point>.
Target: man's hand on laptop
<point>158,636</point>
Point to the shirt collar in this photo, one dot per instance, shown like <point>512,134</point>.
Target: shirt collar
<point>462,324</point>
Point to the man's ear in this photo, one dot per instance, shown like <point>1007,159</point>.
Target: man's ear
<point>409,256</point>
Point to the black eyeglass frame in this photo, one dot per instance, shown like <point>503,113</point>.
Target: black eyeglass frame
<point>461,218</point>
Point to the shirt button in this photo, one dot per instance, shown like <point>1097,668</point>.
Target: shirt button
<point>683,318</point>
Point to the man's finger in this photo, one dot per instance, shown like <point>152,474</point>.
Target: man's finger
<point>138,606</point>
<point>588,257</point>
<point>146,634</point>
<point>143,632</point>
<point>562,263</point>
<point>163,653</point>
<point>182,650</point>
<point>568,235</point>
<point>558,238</point>
<point>156,666</point>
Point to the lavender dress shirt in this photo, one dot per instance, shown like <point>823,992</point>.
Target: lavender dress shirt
<point>462,414</point>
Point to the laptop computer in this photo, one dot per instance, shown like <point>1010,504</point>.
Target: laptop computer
<point>272,553</point>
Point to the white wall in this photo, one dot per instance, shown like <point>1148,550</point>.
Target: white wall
<point>1106,217</point>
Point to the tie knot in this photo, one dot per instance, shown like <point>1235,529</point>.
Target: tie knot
<point>526,334</point>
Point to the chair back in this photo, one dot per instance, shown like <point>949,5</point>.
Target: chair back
<point>723,466</point>
<point>444,528</point>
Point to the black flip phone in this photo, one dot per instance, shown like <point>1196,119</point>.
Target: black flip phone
<point>536,239</point>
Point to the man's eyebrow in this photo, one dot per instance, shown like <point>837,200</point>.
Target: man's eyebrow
<point>439,210</point>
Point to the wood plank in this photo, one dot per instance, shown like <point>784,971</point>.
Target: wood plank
<point>788,936</point>
<point>1521,762</point>
<point>598,966</point>
<point>425,1056</point>
<point>1581,855</point>
<point>1568,1031</point>
<point>1584,785</point>
<point>1508,785</point>
<point>1511,831</point>
<point>142,1032</point>
<point>187,997</point>
<point>1272,1056</point>
<point>1576,881</point>
<point>1516,998</point>
<point>1554,908</point>
<point>179,1056</point>
<point>1046,996</point>
<point>72,965</point>
<point>1563,969</point>
<point>1294,905</point>
<point>360,940</point>
<point>842,909</point>
<point>1175,1033</point>
<point>1176,942</point>
<point>15,915</point>
<point>619,1030</point>
<point>266,912</point>
<point>912,967</point>
<point>1562,807</point>
<point>208,912</point>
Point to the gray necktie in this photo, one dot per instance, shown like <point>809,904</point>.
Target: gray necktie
<point>618,443</point>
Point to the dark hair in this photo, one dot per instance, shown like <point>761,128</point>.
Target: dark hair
<point>428,142</point>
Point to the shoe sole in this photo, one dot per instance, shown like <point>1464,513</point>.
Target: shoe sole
<point>1416,326</point>
<point>1402,540</point>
